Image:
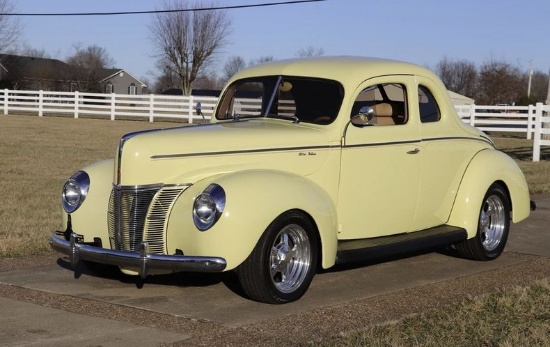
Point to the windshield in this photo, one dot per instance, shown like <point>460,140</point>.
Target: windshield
<point>300,99</point>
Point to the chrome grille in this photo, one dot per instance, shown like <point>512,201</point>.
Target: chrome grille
<point>127,214</point>
<point>156,220</point>
<point>140,213</point>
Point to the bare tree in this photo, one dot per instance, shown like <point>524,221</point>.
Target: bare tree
<point>310,51</point>
<point>539,88</point>
<point>261,60</point>
<point>29,51</point>
<point>189,40</point>
<point>166,79</point>
<point>209,81</point>
<point>10,27</point>
<point>459,76</point>
<point>89,64</point>
<point>500,82</point>
<point>232,66</point>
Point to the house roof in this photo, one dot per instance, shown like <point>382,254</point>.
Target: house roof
<point>459,99</point>
<point>110,73</point>
<point>36,68</point>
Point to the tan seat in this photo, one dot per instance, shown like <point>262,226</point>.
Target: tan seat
<point>382,114</point>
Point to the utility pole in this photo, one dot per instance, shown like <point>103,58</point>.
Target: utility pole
<point>530,77</point>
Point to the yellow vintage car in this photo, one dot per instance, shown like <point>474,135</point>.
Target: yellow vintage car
<point>305,163</point>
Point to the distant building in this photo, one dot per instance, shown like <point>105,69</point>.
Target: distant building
<point>30,73</point>
<point>20,72</point>
<point>459,99</point>
<point>120,81</point>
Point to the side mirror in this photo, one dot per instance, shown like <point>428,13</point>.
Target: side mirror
<point>364,117</point>
<point>198,111</point>
<point>198,108</point>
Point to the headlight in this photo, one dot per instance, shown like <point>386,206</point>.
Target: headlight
<point>208,207</point>
<point>75,191</point>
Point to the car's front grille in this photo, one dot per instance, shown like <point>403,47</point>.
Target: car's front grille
<point>139,213</point>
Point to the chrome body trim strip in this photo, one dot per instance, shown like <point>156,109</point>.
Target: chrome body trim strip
<point>141,260</point>
<point>261,150</point>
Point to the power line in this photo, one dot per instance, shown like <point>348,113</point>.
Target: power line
<point>163,11</point>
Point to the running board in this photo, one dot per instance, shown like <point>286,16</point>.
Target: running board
<point>378,247</point>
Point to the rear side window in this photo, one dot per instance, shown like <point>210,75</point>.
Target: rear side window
<point>429,109</point>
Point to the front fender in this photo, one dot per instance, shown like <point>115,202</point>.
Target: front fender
<point>254,198</point>
<point>90,218</point>
<point>487,167</point>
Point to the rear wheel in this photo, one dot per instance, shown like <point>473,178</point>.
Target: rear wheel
<point>493,227</point>
<point>283,263</point>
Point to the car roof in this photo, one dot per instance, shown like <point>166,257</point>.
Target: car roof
<point>346,69</point>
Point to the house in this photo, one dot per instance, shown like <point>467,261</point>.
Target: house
<point>120,81</point>
<point>31,73</point>
<point>459,99</point>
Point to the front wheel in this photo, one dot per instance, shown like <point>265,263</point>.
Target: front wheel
<point>493,227</point>
<point>283,263</point>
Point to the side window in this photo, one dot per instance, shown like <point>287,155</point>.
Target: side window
<point>429,110</point>
<point>388,102</point>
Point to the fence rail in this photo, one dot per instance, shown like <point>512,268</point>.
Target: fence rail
<point>533,120</point>
<point>111,106</point>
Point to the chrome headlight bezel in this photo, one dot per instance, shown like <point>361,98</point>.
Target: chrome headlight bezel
<point>208,207</point>
<point>75,191</point>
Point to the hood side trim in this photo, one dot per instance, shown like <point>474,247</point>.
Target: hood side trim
<point>262,150</point>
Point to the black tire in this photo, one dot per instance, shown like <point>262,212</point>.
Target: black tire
<point>493,227</point>
<point>283,262</point>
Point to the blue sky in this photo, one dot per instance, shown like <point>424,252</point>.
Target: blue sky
<point>421,31</point>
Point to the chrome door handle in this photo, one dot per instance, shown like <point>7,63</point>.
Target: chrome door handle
<point>415,151</point>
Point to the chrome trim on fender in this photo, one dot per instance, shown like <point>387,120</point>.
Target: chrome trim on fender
<point>243,151</point>
<point>142,260</point>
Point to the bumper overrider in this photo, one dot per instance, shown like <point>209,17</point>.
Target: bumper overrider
<point>142,260</point>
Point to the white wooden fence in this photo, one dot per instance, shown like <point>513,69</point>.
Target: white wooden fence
<point>111,106</point>
<point>534,120</point>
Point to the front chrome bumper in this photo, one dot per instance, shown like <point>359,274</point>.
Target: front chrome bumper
<point>142,260</point>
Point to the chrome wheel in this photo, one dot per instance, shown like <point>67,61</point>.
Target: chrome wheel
<point>290,258</point>
<point>492,229</point>
<point>492,222</point>
<point>283,263</point>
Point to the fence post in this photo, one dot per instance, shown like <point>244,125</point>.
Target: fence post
<point>6,101</point>
<point>76,103</point>
<point>151,107</point>
<point>472,115</point>
<point>538,126</point>
<point>113,106</point>
<point>530,114</point>
<point>190,108</point>
<point>40,103</point>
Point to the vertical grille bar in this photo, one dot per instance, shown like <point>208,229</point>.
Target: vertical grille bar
<point>127,213</point>
<point>140,213</point>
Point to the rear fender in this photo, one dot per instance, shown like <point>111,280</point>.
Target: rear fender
<point>254,199</point>
<point>487,167</point>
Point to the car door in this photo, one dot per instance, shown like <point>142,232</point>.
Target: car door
<point>378,188</point>
<point>445,155</point>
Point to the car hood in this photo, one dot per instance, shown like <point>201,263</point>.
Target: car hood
<point>187,154</point>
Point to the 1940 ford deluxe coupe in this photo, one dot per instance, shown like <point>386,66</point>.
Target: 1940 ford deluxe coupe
<point>305,164</point>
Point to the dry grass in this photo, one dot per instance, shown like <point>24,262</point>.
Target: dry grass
<point>37,154</point>
<point>513,317</point>
<point>537,174</point>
